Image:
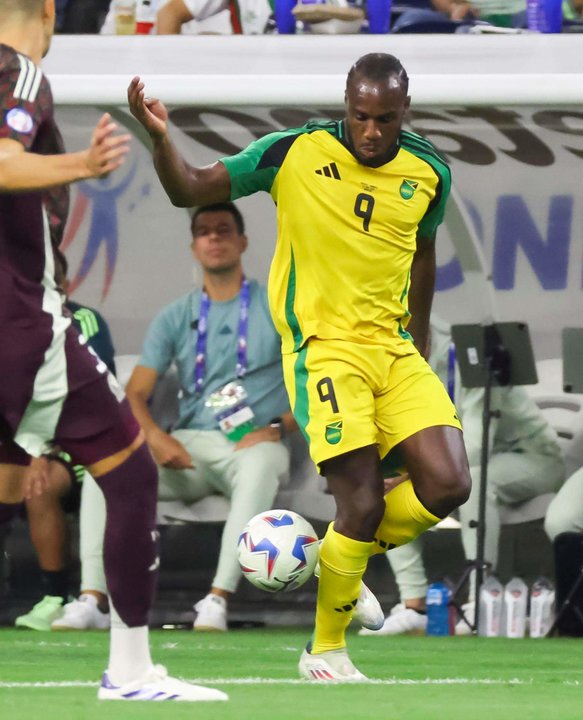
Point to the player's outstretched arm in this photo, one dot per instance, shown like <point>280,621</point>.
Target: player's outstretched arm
<point>22,171</point>
<point>185,185</point>
<point>421,291</point>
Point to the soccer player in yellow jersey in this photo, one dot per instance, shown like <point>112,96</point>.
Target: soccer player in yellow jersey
<point>350,289</point>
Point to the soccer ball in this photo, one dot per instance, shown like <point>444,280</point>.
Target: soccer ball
<point>278,550</point>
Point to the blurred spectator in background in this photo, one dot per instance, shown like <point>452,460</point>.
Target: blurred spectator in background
<point>573,9</point>
<point>503,13</point>
<point>46,513</point>
<point>248,17</point>
<point>174,17</point>
<point>525,461</point>
<point>565,513</point>
<point>48,527</point>
<point>80,16</point>
<point>224,345</point>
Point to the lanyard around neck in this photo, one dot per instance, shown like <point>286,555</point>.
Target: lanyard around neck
<point>202,335</point>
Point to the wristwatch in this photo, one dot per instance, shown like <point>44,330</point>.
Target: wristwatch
<point>277,422</point>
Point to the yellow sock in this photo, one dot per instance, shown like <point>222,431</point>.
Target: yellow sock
<point>405,519</point>
<point>342,565</point>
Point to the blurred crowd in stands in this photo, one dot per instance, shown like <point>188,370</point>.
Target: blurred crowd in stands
<point>170,17</point>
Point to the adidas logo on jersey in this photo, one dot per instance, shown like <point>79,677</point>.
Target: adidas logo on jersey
<point>330,171</point>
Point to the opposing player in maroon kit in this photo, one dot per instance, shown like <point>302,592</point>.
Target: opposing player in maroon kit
<point>53,391</point>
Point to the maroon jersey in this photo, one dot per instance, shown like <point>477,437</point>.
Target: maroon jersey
<point>31,224</point>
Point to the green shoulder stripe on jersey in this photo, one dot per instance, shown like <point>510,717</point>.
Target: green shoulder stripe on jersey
<point>290,314</point>
<point>255,167</point>
<point>425,151</point>
<point>423,143</point>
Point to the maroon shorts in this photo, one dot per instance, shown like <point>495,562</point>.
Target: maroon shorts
<point>92,420</point>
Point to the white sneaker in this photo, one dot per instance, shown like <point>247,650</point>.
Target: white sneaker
<point>331,666</point>
<point>82,614</point>
<point>401,621</point>
<point>368,611</point>
<point>211,614</point>
<point>462,627</point>
<point>157,686</point>
<point>41,616</point>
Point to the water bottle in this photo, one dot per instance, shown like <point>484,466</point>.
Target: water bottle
<point>284,17</point>
<point>514,609</point>
<point>379,16</point>
<point>440,620</point>
<point>542,602</point>
<point>125,17</point>
<point>491,596</point>
<point>145,17</point>
<point>545,16</point>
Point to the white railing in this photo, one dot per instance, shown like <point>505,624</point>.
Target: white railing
<point>311,70</point>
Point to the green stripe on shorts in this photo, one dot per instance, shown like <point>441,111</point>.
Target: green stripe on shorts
<point>301,409</point>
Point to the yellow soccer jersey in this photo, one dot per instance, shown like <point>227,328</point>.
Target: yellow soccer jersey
<point>346,232</point>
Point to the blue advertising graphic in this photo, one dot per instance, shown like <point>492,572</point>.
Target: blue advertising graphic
<point>99,199</point>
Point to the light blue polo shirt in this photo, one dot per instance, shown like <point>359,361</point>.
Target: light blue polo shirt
<point>171,338</point>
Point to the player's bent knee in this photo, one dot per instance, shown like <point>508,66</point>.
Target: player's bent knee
<point>457,489</point>
<point>557,523</point>
<point>446,491</point>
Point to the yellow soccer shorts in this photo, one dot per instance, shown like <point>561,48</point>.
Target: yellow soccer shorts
<point>345,396</point>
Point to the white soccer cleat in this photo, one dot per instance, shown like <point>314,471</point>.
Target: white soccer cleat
<point>211,614</point>
<point>401,621</point>
<point>157,686</point>
<point>82,614</point>
<point>332,666</point>
<point>368,611</point>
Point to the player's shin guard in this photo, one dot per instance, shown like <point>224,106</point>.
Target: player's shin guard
<point>405,519</point>
<point>130,546</point>
<point>342,565</point>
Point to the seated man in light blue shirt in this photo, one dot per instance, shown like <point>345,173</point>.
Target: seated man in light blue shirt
<point>233,409</point>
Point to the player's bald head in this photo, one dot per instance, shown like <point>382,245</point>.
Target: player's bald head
<point>378,68</point>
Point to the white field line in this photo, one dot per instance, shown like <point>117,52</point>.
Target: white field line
<point>289,681</point>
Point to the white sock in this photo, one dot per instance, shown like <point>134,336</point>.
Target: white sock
<point>129,652</point>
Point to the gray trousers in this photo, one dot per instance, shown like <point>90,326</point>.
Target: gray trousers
<point>565,513</point>
<point>250,478</point>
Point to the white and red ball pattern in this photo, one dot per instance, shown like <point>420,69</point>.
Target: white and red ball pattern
<point>278,550</point>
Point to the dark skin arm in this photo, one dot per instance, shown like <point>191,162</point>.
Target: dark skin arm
<point>185,185</point>
<point>421,293</point>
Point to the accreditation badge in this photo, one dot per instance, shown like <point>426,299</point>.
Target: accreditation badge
<point>232,411</point>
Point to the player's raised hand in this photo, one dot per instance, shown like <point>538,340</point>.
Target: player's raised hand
<point>150,112</point>
<point>107,150</point>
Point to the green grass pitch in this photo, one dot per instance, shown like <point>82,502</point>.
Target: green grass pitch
<point>46,676</point>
